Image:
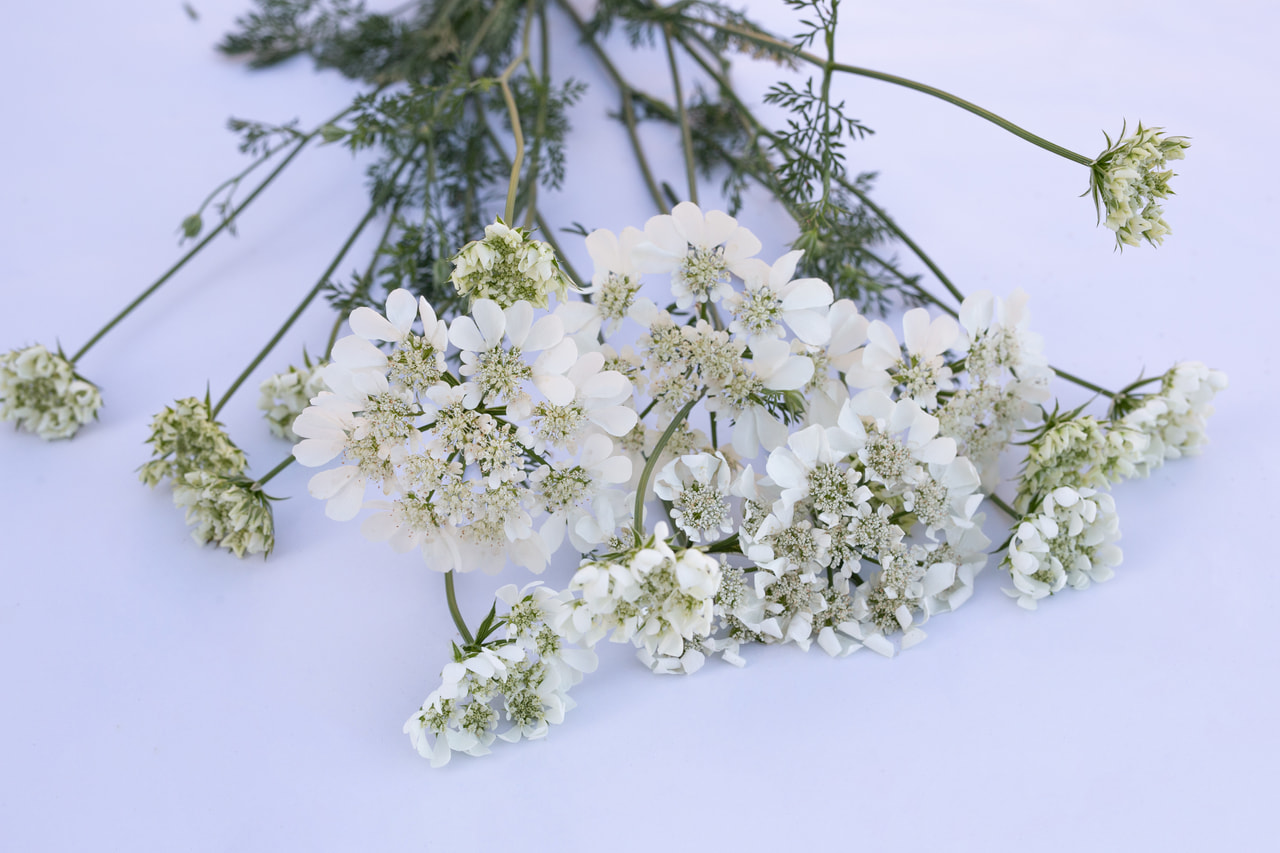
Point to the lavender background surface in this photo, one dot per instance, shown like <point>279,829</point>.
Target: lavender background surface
<point>159,696</point>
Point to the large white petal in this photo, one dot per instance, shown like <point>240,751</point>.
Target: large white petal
<point>466,335</point>
<point>354,352</point>
<point>402,310</point>
<point>371,325</point>
<point>519,319</point>
<point>547,332</point>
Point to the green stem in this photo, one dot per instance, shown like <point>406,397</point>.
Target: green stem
<point>1084,383</point>
<point>504,81</point>
<point>454,611</point>
<point>1004,507</point>
<point>686,134</point>
<point>265,478</point>
<point>307,300</point>
<point>827,73</point>
<point>770,41</point>
<point>368,273</point>
<point>222,226</point>
<point>652,461</point>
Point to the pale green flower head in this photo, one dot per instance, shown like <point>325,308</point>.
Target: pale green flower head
<point>285,395</point>
<point>230,512</point>
<point>507,267</point>
<point>186,438</point>
<point>41,393</point>
<point>1079,452</point>
<point>1129,178</point>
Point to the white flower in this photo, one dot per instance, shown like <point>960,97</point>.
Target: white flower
<point>697,485</point>
<point>771,299</point>
<point>700,251</point>
<point>41,393</point>
<point>923,372</point>
<point>1175,418</point>
<point>508,267</point>
<point>498,374</point>
<point>1068,539</point>
<point>1127,180</point>
<point>616,278</point>
<point>656,598</point>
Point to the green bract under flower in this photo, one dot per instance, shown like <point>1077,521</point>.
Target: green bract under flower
<point>41,393</point>
<point>507,267</point>
<point>1129,178</point>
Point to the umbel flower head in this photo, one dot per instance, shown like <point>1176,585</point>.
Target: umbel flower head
<point>506,266</point>
<point>230,512</point>
<point>41,393</point>
<point>186,438</point>
<point>1129,178</point>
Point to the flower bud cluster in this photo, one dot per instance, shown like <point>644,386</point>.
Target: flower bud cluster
<point>285,395</point>
<point>41,393</point>
<point>1129,179</point>
<point>185,438</point>
<point>507,267</point>
<point>230,512</point>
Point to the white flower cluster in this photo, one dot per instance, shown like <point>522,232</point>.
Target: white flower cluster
<point>1129,178</point>
<point>284,396</point>
<point>821,475</point>
<point>1174,419</point>
<point>521,679</point>
<point>508,267</point>
<point>40,392</point>
<point>207,473</point>
<point>1068,539</point>
<point>659,599</point>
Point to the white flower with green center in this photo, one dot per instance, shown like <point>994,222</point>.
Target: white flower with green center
<point>615,280</point>
<point>771,302</point>
<point>922,372</point>
<point>697,486</point>
<point>602,401</point>
<point>495,343</point>
<point>1129,178</point>
<point>285,395</point>
<point>229,512</point>
<point>583,497</point>
<point>508,266</point>
<point>41,393</point>
<point>700,251</point>
<point>1068,539</point>
<point>894,439</point>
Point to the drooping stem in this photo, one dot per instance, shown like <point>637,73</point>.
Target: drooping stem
<point>783,47</point>
<point>652,461</point>
<point>309,298</point>
<point>461,624</point>
<point>208,238</point>
<point>686,133</point>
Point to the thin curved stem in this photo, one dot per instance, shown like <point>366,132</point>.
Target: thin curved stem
<point>504,81</point>
<point>280,466</point>
<point>1084,383</point>
<point>208,238</point>
<point>452,597</point>
<point>686,133</point>
<point>308,299</point>
<point>783,47</point>
<point>638,520</point>
<point>1004,507</point>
